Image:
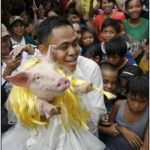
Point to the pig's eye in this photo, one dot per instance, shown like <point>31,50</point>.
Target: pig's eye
<point>37,77</point>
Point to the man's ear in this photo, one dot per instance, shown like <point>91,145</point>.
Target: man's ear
<point>43,49</point>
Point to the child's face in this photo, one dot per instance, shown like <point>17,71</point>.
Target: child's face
<point>67,48</point>
<point>122,32</point>
<point>87,38</point>
<point>108,33</point>
<point>135,104</point>
<point>18,29</point>
<point>109,80</point>
<point>77,29</point>
<point>41,11</point>
<point>107,6</point>
<point>116,60</point>
<point>134,9</point>
<point>73,17</point>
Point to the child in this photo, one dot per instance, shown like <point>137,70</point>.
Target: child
<point>108,11</point>
<point>112,28</point>
<point>129,128</point>
<point>88,37</point>
<point>110,79</point>
<point>93,51</point>
<point>116,49</point>
<point>136,26</point>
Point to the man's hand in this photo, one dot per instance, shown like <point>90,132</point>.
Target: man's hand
<point>46,109</point>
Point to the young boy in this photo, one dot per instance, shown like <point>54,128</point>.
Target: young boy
<point>116,49</point>
<point>129,118</point>
<point>110,79</point>
<point>112,28</point>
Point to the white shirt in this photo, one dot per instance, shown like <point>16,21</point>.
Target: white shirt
<point>94,101</point>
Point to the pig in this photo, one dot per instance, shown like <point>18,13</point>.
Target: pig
<point>46,83</point>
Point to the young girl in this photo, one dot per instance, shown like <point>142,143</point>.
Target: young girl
<point>129,128</point>
<point>93,51</point>
<point>87,37</point>
<point>136,26</point>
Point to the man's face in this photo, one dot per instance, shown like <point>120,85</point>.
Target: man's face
<point>67,48</point>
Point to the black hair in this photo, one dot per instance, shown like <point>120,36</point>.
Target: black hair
<point>54,9</point>
<point>138,85</point>
<point>45,28</point>
<point>130,72</point>
<point>71,11</point>
<point>84,30</point>
<point>116,46</point>
<point>108,66</point>
<point>127,1</point>
<point>111,22</point>
<point>92,50</point>
<point>108,1</point>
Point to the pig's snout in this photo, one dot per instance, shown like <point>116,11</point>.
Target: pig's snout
<point>63,84</point>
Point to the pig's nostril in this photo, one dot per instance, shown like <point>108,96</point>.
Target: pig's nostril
<point>66,82</point>
<point>59,85</point>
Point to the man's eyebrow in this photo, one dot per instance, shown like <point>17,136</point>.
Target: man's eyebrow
<point>68,42</point>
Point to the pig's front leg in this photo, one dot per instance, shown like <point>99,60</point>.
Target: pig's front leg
<point>83,89</point>
<point>46,109</point>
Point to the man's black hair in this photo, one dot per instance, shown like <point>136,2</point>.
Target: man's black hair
<point>111,22</point>
<point>138,85</point>
<point>116,46</point>
<point>45,28</point>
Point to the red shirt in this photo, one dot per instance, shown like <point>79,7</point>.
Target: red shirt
<point>99,19</point>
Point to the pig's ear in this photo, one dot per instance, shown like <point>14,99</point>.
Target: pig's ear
<point>51,53</point>
<point>21,79</point>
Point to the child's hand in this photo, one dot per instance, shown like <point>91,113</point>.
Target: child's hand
<point>105,120</point>
<point>13,64</point>
<point>46,109</point>
<point>132,137</point>
<point>112,130</point>
<point>17,52</point>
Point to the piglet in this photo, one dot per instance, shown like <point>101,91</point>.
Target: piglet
<point>43,80</point>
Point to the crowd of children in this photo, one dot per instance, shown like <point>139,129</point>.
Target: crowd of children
<point>112,33</point>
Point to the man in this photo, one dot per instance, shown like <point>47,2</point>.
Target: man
<point>58,32</point>
<point>55,31</point>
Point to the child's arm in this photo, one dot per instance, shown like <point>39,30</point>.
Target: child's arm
<point>112,129</point>
<point>146,141</point>
<point>132,137</point>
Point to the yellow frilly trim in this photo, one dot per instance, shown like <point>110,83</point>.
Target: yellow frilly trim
<point>72,114</point>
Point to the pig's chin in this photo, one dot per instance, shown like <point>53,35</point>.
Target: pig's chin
<point>50,95</point>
